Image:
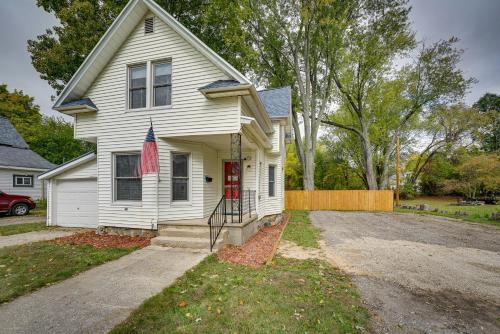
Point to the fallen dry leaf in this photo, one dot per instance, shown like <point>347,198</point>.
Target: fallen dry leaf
<point>182,303</point>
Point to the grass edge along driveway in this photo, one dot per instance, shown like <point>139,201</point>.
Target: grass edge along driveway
<point>22,228</point>
<point>26,268</point>
<point>300,230</point>
<point>287,296</point>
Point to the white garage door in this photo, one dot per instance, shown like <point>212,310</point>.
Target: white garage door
<point>76,203</point>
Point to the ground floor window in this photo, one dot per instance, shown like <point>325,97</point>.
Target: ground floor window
<point>180,176</point>
<point>272,180</point>
<point>22,180</point>
<point>127,177</point>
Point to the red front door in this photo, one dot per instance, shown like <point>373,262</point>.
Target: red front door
<point>231,180</point>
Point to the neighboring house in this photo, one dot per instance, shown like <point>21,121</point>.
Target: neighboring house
<point>19,166</point>
<point>208,119</point>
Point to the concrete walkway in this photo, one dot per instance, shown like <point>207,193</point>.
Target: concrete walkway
<point>97,300</point>
<point>19,220</point>
<point>24,238</point>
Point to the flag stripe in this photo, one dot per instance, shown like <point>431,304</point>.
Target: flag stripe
<point>149,155</point>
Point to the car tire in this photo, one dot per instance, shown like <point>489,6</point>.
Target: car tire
<point>20,209</point>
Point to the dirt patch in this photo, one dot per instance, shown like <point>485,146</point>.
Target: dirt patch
<point>104,241</point>
<point>257,250</point>
<point>418,274</point>
<point>291,250</point>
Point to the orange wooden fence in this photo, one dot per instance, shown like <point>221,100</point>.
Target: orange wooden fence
<point>342,200</point>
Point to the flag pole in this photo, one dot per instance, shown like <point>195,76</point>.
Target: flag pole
<point>157,179</point>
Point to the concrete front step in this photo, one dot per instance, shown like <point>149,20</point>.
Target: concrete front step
<point>185,242</point>
<point>188,237</point>
<point>185,231</point>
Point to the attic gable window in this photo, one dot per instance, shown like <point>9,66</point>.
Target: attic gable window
<point>149,25</point>
<point>137,86</point>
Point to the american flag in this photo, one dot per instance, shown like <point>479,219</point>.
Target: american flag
<point>149,154</point>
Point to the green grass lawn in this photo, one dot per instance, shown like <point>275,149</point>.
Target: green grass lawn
<point>22,228</point>
<point>477,214</point>
<point>26,268</point>
<point>288,296</point>
<point>300,229</point>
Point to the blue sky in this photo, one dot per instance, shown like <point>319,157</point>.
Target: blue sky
<point>476,23</point>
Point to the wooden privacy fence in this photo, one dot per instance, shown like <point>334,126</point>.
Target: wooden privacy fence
<point>342,200</point>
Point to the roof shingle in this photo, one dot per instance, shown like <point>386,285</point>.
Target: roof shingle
<point>277,101</point>
<point>9,136</point>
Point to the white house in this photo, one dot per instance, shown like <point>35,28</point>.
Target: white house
<point>221,142</point>
<point>19,166</point>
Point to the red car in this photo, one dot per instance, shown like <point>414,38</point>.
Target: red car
<point>17,205</point>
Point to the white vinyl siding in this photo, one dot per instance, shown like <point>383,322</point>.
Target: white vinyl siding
<point>6,183</point>
<point>190,112</point>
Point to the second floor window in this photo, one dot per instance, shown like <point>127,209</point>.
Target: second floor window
<point>162,84</point>
<point>137,87</point>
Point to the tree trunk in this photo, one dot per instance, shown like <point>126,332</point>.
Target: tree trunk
<point>366,147</point>
<point>309,167</point>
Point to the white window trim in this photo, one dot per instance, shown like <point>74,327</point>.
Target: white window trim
<point>149,85</point>
<point>113,183</point>
<point>190,180</point>
<point>127,86</point>
<point>268,180</point>
<point>23,176</point>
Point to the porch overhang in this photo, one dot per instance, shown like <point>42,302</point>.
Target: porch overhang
<point>251,97</point>
<point>252,126</point>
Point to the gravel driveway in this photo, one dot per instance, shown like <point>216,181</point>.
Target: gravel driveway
<point>418,274</point>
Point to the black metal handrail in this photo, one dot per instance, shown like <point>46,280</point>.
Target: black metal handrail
<point>248,200</point>
<point>217,220</point>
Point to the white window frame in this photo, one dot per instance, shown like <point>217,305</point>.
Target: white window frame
<point>189,177</point>
<point>23,177</point>
<point>128,100</point>
<point>269,180</point>
<point>113,179</point>
<point>149,84</point>
<point>152,79</point>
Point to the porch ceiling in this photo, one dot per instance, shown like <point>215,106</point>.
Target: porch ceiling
<point>220,142</point>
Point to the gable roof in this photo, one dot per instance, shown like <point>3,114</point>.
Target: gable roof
<point>14,152</point>
<point>22,158</point>
<point>113,39</point>
<point>277,101</point>
<point>68,165</point>
<point>9,135</point>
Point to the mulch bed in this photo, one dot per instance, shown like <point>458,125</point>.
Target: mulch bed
<point>104,241</point>
<point>257,250</point>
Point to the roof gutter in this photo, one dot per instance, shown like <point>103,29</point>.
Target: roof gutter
<point>71,110</point>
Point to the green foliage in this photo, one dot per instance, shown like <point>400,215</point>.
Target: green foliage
<point>439,169</point>
<point>288,296</point>
<point>52,138</point>
<point>332,170</point>
<point>490,103</point>
<point>300,230</point>
<point>28,267</point>
<point>55,142</point>
<point>476,213</point>
<point>58,53</point>
<point>21,111</point>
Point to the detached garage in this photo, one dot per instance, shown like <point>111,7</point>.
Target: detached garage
<point>72,193</point>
